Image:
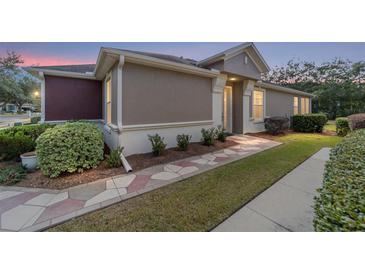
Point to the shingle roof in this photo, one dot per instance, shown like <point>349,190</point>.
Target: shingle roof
<point>70,68</point>
<point>172,58</point>
<point>90,67</point>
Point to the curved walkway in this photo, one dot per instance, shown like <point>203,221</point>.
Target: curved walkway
<point>27,209</point>
<point>285,206</point>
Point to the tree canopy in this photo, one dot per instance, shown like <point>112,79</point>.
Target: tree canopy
<point>338,86</point>
<point>15,87</point>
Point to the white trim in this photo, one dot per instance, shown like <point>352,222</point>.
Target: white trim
<point>157,62</point>
<point>264,105</point>
<point>43,97</point>
<point>220,56</point>
<point>108,77</point>
<point>165,125</point>
<point>65,73</point>
<point>230,53</point>
<point>119,91</point>
<point>81,120</point>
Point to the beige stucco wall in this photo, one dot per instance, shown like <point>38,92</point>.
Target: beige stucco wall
<point>280,103</point>
<point>236,65</point>
<point>152,95</point>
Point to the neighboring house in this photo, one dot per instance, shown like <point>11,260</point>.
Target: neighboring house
<point>8,108</point>
<point>133,94</point>
<point>13,108</point>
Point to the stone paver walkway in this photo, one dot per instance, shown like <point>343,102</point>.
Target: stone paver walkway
<point>285,206</point>
<point>28,209</point>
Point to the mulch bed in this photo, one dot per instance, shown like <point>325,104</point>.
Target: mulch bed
<point>137,161</point>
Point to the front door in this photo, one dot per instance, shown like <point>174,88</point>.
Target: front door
<point>227,108</point>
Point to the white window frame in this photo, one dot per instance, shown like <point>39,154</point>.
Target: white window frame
<point>295,106</point>
<point>106,102</point>
<point>304,108</point>
<point>263,105</point>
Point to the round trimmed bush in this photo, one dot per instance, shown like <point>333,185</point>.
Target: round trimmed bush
<point>276,125</point>
<point>342,126</point>
<point>69,147</point>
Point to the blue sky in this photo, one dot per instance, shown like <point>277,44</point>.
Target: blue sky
<point>274,53</point>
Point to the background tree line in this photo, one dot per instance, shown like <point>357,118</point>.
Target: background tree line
<point>338,86</point>
<point>16,85</point>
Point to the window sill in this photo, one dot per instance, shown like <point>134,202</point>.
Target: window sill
<point>256,121</point>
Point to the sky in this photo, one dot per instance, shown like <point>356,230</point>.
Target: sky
<point>275,54</point>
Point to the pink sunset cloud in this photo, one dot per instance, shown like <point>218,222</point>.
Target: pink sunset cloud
<point>44,60</point>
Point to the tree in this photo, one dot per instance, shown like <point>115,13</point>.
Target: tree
<point>338,86</point>
<point>15,87</point>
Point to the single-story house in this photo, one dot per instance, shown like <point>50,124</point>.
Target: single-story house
<point>133,94</point>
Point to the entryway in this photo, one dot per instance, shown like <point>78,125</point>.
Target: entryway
<point>227,108</point>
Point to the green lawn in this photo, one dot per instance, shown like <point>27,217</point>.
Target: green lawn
<point>330,126</point>
<point>203,201</point>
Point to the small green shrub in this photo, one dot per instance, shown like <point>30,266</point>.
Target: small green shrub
<point>221,134</point>
<point>183,141</point>
<point>208,136</point>
<point>12,146</point>
<point>113,159</point>
<point>340,205</point>
<point>342,126</point>
<point>276,125</point>
<point>357,121</point>
<point>35,120</point>
<point>158,146</point>
<point>20,139</point>
<point>69,147</point>
<point>309,122</point>
<point>32,131</point>
<point>12,175</point>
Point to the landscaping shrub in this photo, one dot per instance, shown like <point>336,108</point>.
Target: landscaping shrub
<point>183,141</point>
<point>309,122</point>
<point>35,120</point>
<point>208,136</point>
<point>69,147</point>
<point>12,146</point>
<point>340,205</point>
<point>11,175</point>
<point>342,126</point>
<point>113,159</point>
<point>276,125</point>
<point>221,135</point>
<point>158,146</point>
<point>357,121</point>
<point>32,131</point>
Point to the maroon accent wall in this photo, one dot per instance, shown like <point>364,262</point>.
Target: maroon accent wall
<point>71,98</point>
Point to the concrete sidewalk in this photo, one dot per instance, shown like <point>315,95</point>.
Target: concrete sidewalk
<point>27,209</point>
<point>285,206</point>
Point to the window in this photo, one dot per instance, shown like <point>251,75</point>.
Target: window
<point>304,102</point>
<point>258,105</point>
<point>108,101</point>
<point>296,105</point>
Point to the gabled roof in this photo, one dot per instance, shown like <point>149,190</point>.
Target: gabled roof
<point>249,48</point>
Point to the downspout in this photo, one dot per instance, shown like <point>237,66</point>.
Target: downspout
<point>126,165</point>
